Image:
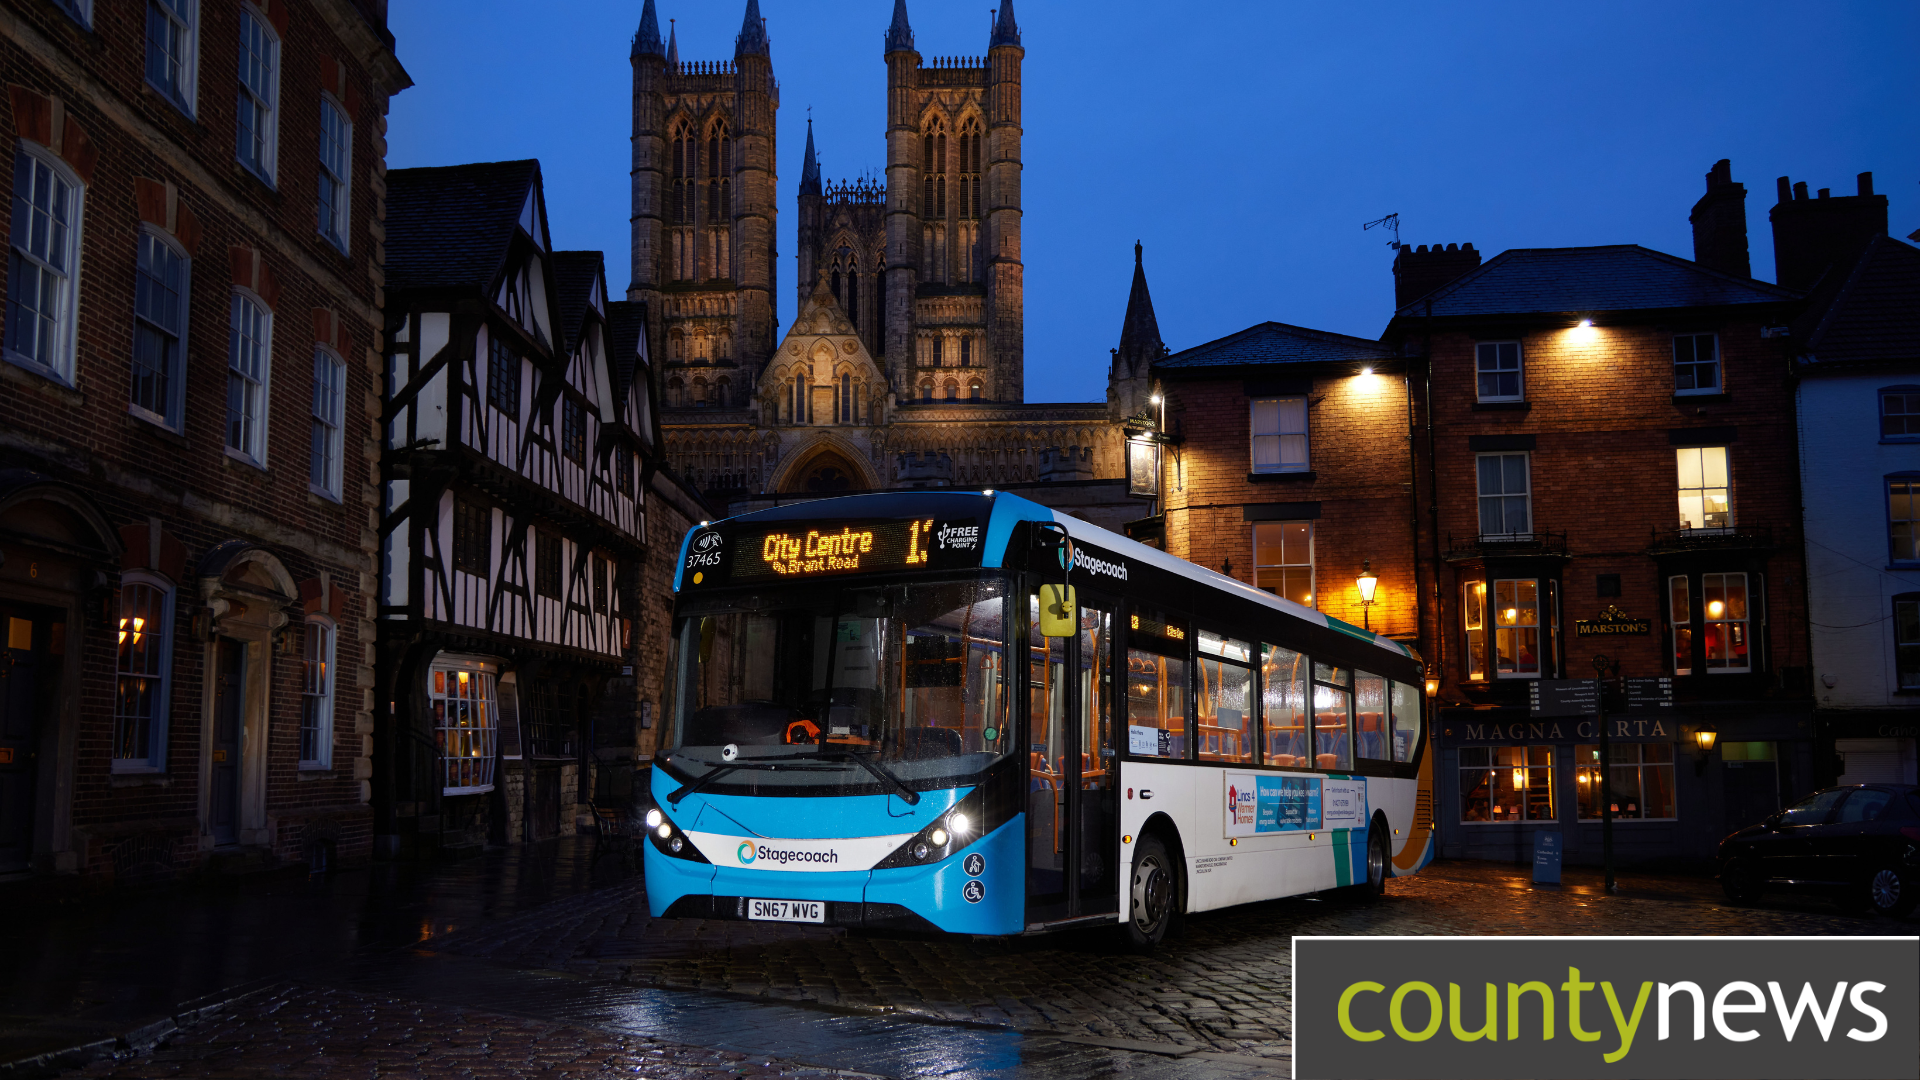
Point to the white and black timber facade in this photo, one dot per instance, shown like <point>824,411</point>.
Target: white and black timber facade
<point>513,530</point>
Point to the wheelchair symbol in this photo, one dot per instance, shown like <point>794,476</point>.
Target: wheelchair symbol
<point>974,891</point>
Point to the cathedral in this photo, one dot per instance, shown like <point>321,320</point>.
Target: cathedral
<point>904,366</point>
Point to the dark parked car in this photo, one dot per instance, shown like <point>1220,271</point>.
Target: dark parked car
<point>1860,843</point>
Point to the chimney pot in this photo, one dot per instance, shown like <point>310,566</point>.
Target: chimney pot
<point>1785,189</point>
<point>1800,191</point>
<point>1866,183</point>
<point>1825,192</point>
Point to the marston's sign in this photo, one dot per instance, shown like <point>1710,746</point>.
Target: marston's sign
<point>1612,621</point>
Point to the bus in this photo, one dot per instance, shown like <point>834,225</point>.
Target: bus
<point>961,711</point>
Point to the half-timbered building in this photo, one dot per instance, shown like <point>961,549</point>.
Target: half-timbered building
<point>513,527</point>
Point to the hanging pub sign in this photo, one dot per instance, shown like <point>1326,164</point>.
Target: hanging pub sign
<point>1612,621</point>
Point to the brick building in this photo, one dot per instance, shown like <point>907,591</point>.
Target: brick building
<point>186,463</point>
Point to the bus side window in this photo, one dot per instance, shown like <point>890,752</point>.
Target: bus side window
<point>1370,709</point>
<point>1283,688</point>
<point>1406,720</point>
<point>1157,686</point>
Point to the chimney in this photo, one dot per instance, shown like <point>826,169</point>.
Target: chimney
<point>1419,271</point>
<point>1811,235</point>
<point>1720,223</point>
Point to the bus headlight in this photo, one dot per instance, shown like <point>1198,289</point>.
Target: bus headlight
<point>938,837</point>
<point>959,824</point>
<point>654,817</point>
<point>668,839</point>
<point>665,830</point>
<point>677,844</point>
<point>920,850</point>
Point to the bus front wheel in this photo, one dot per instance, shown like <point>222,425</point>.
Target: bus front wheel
<point>1377,864</point>
<point>1155,894</point>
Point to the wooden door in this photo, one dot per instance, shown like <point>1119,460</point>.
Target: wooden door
<point>29,673</point>
<point>229,709</point>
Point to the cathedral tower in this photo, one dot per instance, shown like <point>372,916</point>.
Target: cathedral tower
<point>704,211</point>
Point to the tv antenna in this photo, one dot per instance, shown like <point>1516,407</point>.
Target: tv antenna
<point>1391,221</point>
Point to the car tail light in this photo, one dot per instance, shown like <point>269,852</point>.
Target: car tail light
<point>1911,832</point>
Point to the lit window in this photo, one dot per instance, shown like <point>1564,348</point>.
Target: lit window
<point>973,390</point>
<point>248,361</point>
<point>465,721</point>
<point>258,127</point>
<point>1516,629</point>
<point>1903,518</point>
<point>142,668</point>
<point>1696,364</point>
<point>1506,499</point>
<point>329,395</point>
<point>316,696</point>
<point>1724,598</point>
<point>1640,783</point>
<point>172,40</point>
<point>1505,784</point>
<point>1906,639</point>
<point>1473,619</point>
<point>1900,413</point>
<point>1279,434</point>
<point>159,329</point>
<point>40,265</point>
<point>1705,494</point>
<point>1680,603</point>
<point>1497,365</point>
<point>1283,559</point>
<point>336,159</point>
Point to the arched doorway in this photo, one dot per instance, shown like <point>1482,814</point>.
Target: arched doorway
<point>826,473</point>
<point>827,468</point>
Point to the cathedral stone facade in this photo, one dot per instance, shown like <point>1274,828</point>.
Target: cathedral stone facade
<point>905,364</point>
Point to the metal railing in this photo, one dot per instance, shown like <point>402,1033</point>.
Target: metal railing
<point>1526,543</point>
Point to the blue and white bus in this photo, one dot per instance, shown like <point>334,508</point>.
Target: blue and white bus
<point>963,712</point>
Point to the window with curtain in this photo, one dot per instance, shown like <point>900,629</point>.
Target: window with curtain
<point>1724,603</point>
<point>1706,500</point>
<point>1497,370</point>
<point>465,723</point>
<point>1283,559</point>
<point>172,49</point>
<point>336,157</point>
<point>41,258</point>
<point>316,696</point>
<point>1506,496</point>
<point>1473,621</point>
<point>143,666</point>
<point>159,329</point>
<point>259,121</point>
<point>1279,434</point>
<point>329,398</point>
<point>1516,633</point>
<point>249,353</point>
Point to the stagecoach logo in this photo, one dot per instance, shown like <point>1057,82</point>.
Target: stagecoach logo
<point>749,853</point>
<point>1095,565</point>
<point>745,853</point>
<point>958,537</point>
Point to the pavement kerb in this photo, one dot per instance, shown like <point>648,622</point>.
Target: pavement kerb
<point>138,1040</point>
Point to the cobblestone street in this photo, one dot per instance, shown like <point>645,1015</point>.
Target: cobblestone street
<point>587,985</point>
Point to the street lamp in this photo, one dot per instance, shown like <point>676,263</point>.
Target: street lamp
<point>1704,737</point>
<point>1367,583</point>
<point>1433,681</point>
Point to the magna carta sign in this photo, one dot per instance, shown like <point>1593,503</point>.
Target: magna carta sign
<point>1612,621</point>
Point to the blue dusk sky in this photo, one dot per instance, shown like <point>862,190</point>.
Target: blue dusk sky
<point>1244,143</point>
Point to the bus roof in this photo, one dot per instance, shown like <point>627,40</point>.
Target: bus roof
<point>1008,510</point>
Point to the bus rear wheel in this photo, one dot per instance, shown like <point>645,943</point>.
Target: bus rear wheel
<point>1155,894</point>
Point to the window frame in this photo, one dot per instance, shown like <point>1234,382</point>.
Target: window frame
<point>1519,371</point>
<point>1205,696</point>
<point>340,210</point>
<point>332,444</point>
<point>1639,766</point>
<point>1697,620</point>
<point>1480,497</point>
<point>184,97</point>
<point>1280,434</point>
<point>317,706</point>
<point>1529,768</point>
<point>1702,492</point>
<point>486,733</point>
<point>1717,364</point>
<point>255,451</point>
<point>504,376</point>
<point>1894,557</point>
<point>549,565</point>
<point>173,418</point>
<point>1908,391</point>
<point>573,429</point>
<point>1900,674</point>
<point>461,545</point>
<point>62,368</point>
<point>158,720</point>
<point>1282,567</point>
<point>267,100</point>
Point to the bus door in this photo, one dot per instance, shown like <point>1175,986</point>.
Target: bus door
<point>1071,805</point>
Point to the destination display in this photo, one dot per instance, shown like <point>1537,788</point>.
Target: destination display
<point>801,550</point>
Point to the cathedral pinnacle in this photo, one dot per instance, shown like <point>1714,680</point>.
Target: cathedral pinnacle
<point>1140,331</point>
<point>753,33</point>
<point>810,171</point>
<point>899,35</point>
<point>1005,30</point>
<point>673,46</point>
<point>647,41</point>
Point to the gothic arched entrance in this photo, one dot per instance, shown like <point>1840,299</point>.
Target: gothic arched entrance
<point>827,469</point>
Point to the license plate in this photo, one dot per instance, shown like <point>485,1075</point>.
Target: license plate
<point>787,910</point>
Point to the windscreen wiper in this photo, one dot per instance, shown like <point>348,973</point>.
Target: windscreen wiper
<point>693,786</point>
<point>907,794</point>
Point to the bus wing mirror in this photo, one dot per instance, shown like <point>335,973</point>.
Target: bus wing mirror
<point>1057,608</point>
